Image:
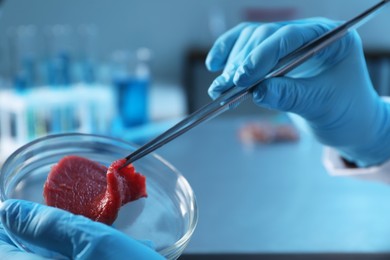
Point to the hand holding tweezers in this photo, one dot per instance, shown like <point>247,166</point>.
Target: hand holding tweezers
<point>234,96</point>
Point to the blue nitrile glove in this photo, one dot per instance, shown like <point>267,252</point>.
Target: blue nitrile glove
<point>73,236</point>
<point>332,91</point>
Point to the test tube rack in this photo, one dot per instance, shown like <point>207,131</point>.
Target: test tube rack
<point>40,111</point>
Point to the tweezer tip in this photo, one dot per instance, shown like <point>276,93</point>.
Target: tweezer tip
<point>127,162</point>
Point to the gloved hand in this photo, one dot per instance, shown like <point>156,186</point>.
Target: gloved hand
<point>332,91</point>
<point>73,236</point>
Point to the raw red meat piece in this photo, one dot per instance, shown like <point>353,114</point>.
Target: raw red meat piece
<point>87,188</point>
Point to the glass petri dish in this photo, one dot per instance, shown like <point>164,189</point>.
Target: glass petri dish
<point>166,218</point>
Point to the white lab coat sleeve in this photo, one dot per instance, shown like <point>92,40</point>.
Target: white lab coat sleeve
<point>336,167</point>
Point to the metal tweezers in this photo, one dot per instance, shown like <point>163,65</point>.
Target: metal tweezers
<point>234,96</point>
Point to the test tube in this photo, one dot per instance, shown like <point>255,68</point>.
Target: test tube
<point>60,45</point>
<point>23,49</point>
<point>88,39</point>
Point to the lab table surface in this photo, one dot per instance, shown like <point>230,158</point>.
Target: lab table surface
<point>275,199</point>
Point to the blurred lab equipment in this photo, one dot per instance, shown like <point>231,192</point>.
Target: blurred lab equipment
<point>46,110</point>
<point>131,80</point>
<point>378,64</point>
<point>23,55</point>
<point>60,46</point>
<point>88,57</point>
<point>232,97</point>
<point>256,14</point>
<point>54,82</point>
<point>267,132</point>
<point>51,87</point>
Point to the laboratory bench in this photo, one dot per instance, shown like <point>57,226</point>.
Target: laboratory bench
<point>272,201</point>
<point>275,201</point>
